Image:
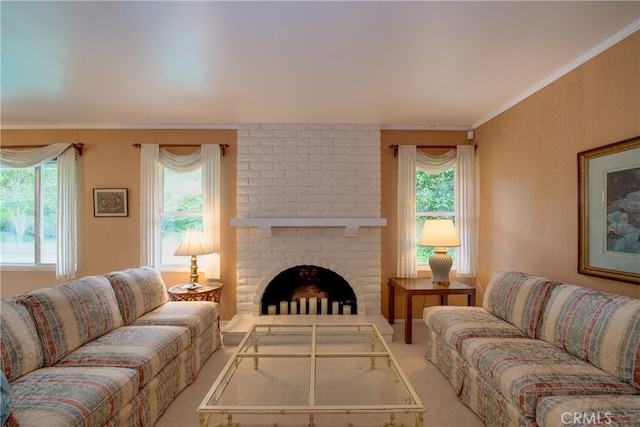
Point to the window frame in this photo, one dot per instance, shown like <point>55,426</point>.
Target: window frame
<point>424,266</point>
<point>38,232</point>
<point>175,266</point>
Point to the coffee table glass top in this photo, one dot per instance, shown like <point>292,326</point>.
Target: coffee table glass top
<point>312,369</point>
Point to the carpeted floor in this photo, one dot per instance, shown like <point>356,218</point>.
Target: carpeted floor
<point>442,407</point>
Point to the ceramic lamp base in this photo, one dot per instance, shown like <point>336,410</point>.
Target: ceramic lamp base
<point>440,263</point>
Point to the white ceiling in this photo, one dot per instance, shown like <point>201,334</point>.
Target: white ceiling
<point>213,64</point>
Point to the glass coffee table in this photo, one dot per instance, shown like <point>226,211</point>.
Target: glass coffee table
<point>312,370</point>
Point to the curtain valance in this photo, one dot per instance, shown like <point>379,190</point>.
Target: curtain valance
<point>31,157</point>
<point>435,163</point>
<point>181,162</point>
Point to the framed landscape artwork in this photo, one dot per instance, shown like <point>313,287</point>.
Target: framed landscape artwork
<point>110,202</point>
<point>609,211</point>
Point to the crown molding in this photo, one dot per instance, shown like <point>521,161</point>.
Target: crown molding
<point>459,128</point>
<point>124,126</point>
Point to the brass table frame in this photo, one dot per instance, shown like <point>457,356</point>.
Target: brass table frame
<point>378,351</point>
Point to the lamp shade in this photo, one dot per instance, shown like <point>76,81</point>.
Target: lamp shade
<point>439,233</point>
<point>193,243</point>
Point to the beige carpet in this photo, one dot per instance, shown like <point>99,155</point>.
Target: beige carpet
<point>442,407</point>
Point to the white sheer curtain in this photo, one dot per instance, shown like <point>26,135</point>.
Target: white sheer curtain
<point>211,184</point>
<point>463,160</point>
<point>407,263</point>
<point>152,159</point>
<point>150,200</point>
<point>466,210</point>
<point>67,240</point>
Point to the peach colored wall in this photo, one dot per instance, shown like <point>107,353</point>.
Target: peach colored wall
<point>108,244</point>
<point>529,172</point>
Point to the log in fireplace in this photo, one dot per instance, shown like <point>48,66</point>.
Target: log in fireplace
<point>306,286</point>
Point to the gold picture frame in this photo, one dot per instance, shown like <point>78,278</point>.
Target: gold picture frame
<point>609,211</point>
<point>110,202</point>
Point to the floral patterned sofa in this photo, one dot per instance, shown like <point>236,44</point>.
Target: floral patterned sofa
<point>541,353</point>
<point>102,350</point>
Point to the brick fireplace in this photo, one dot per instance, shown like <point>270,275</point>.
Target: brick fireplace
<point>308,194</point>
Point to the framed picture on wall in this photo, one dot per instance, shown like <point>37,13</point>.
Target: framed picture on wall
<point>110,202</point>
<point>609,211</point>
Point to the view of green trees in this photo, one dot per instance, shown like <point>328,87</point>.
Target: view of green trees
<point>434,194</point>
<point>18,213</point>
<point>182,198</point>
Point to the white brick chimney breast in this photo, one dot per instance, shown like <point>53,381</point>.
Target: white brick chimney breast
<point>309,174</point>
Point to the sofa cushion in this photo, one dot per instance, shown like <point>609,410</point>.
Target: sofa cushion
<point>71,314</point>
<point>455,324</point>
<point>599,327</point>
<point>19,342</point>
<point>82,396</point>
<point>582,411</point>
<point>195,315</point>
<point>518,298</point>
<point>138,290</point>
<point>146,349</point>
<point>525,370</point>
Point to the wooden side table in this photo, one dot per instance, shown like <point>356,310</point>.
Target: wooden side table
<point>209,291</point>
<point>424,286</point>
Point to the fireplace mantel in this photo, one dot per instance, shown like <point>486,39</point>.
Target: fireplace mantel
<point>351,225</point>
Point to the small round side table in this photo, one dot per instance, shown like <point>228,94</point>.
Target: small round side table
<point>209,291</point>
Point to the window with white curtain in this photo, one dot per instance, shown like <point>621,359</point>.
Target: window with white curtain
<point>29,222</point>
<point>458,167</point>
<point>182,209</point>
<point>179,192</point>
<point>28,215</point>
<point>434,199</point>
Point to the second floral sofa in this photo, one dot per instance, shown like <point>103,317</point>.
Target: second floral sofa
<point>541,353</point>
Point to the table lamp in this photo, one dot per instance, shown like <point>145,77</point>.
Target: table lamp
<point>440,233</point>
<point>193,244</point>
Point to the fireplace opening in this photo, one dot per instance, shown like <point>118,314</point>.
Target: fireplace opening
<point>308,289</point>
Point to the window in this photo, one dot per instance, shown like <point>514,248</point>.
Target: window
<point>182,209</point>
<point>178,192</point>
<point>434,199</point>
<point>460,193</point>
<point>28,215</point>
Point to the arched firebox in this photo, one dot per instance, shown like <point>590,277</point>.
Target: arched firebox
<point>308,284</point>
